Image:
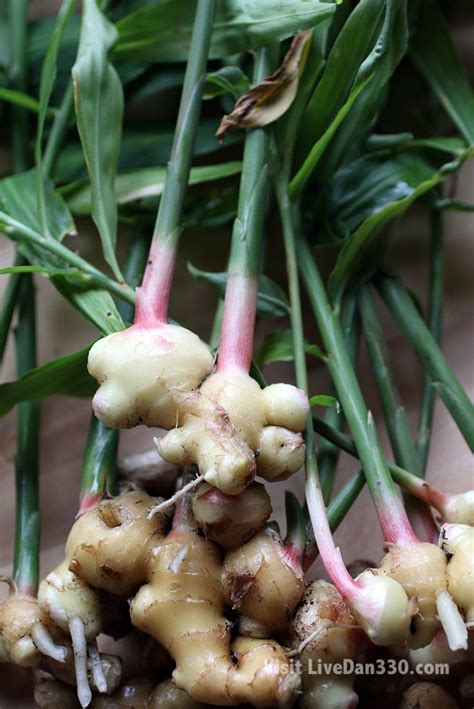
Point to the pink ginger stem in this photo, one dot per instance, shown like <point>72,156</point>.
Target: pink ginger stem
<point>330,554</point>
<point>88,501</point>
<point>152,300</point>
<point>394,521</point>
<point>238,323</point>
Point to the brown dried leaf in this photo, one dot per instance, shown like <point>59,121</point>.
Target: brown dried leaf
<point>269,100</point>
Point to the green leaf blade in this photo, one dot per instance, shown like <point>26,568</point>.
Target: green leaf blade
<point>151,32</point>
<point>271,299</point>
<point>99,103</point>
<point>435,56</point>
<point>66,376</point>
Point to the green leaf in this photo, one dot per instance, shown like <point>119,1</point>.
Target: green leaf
<point>278,347</point>
<point>228,80</point>
<point>214,209</point>
<point>95,304</point>
<point>353,44</point>
<point>143,148</point>
<point>435,56</point>
<point>149,182</point>
<point>366,185</point>
<point>98,98</point>
<point>18,199</point>
<point>352,76</point>
<point>66,376</point>
<point>391,46</point>
<point>21,99</point>
<point>355,249</point>
<point>324,400</point>
<point>271,299</point>
<point>46,270</point>
<point>40,32</point>
<point>151,33</point>
<point>48,76</point>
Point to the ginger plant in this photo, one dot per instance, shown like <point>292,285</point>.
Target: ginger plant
<point>145,371</point>
<point>233,429</point>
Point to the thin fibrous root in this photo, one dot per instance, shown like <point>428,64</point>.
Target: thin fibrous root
<point>174,498</point>
<point>299,649</point>
<point>452,621</point>
<point>78,637</point>
<point>45,643</point>
<point>175,564</point>
<point>97,669</point>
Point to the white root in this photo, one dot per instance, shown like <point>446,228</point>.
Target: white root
<point>174,498</point>
<point>319,631</point>
<point>452,621</point>
<point>97,669</point>
<point>45,643</point>
<point>78,637</point>
<point>175,564</point>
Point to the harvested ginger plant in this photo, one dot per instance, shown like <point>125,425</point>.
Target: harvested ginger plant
<point>154,563</point>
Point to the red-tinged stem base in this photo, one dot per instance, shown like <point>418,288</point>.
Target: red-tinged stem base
<point>238,323</point>
<point>88,501</point>
<point>151,307</point>
<point>293,556</point>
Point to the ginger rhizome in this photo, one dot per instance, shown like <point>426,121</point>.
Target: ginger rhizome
<point>106,549</point>
<point>325,631</point>
<point>185,583</point>
<point>265,580</point>
<point>27,633</point>
<point>378,602</point>
<point>457,542</point>
<point>234,430</point>
<point>231,520</point>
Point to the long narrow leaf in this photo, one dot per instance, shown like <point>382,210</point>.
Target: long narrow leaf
<point>356,247</point>
<point>376,66</point>
<point>150,33</point>
<point>98,99</point>
<point>149,182</point>
<point>435,56</point>
<point>66,376</point>
<point>48,76</point>
<point>18,98</point>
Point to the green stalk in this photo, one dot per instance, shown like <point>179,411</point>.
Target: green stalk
<point>168,219</point>
<point>99,464</point>
<point>393,410</point>
<point>17,230</point>
<point>391,512</point>
<point>394,413</point>
<point>410,322</point>
<point>435,315</point>
<point>216,325</point>
<point>18,81</point>
<point>9,304</point>
<point>58,131</point>
<point>99,468</point>
<point>27,532</point>
<point>155,291</point>
<point>315,503</point>
<point>328,454</point>
<point>295,527</point>
<point>412,483</point>
<point>238,320</point>
<point>27,528</point>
